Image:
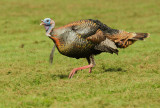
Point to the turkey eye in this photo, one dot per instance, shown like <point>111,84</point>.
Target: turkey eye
<point>47,20</point>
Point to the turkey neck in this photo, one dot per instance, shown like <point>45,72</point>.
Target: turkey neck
<point>55,39</point>
<point>50,29</point>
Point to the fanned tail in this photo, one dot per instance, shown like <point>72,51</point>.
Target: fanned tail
<point>124,39</point>
<point>141,36</point>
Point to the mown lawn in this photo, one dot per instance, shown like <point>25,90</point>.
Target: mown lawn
<point>27,80</point>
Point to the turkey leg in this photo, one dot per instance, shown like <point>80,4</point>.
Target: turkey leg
<point>91,62</point>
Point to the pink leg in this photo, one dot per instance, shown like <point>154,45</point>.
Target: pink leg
<point>80,68</point>
<point>90,70</point>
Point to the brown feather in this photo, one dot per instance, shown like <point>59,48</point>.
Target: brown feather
<point>75,24</point>
<point>123,39</point>
<point>98,37</point>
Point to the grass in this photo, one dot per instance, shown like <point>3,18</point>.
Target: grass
<point>27,80</point>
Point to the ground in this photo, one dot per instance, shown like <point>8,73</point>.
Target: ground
<point>27,80</point>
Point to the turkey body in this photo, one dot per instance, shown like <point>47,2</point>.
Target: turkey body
<point>86,38</point>
<point>72,39</point>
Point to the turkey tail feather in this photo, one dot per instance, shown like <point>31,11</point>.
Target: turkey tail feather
<point>129,41</point>
<point>141,36</point>
<point>124,39</point>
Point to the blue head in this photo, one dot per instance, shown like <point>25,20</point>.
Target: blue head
<point>46,21</point>
<point>48,24</point>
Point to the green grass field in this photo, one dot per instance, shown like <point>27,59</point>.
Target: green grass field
<point>27,80</point>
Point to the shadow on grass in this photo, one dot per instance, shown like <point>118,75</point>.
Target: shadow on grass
<point>60,76</point>
<point>115,70</point>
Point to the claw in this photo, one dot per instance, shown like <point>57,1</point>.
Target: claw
<point>72,73</point>
<point>80,68</point>
<point>90,70</point>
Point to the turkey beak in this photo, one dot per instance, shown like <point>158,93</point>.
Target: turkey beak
<point>42,23</point>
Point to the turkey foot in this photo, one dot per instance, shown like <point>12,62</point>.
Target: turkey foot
<point>80,68</point>
<point>90,70</point>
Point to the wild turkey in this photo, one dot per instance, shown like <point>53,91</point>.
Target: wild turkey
<point>86,38</point>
